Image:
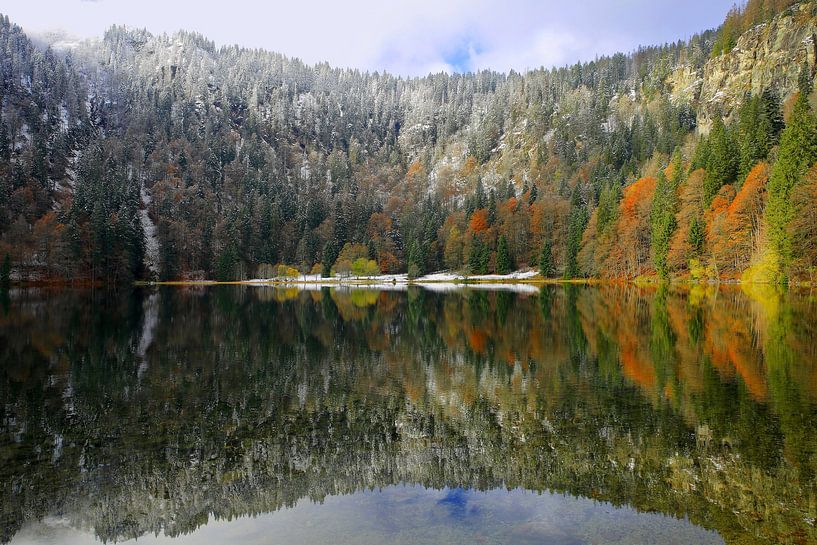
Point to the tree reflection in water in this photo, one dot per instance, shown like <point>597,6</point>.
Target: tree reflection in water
<point>158,411</point>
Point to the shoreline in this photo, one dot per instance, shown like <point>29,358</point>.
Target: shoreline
<point>534,281</point>
<point>519,278</point>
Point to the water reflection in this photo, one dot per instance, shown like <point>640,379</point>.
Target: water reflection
<point>156,412</point>
<point>413,514</point>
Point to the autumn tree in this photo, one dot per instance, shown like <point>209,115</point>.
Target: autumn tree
<point>802,230</point>
<point>743,217</point>
<point>631,253</point>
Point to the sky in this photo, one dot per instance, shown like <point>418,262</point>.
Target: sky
<point>405,37</point>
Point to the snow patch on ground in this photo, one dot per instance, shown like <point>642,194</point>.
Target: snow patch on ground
<point>453,277</point>
<point>439,282</point>
<point>396,278</point>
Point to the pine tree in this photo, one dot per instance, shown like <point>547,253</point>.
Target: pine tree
<point>754,134</point>
<point>575,228</point>
<point>608,206</point>
<point>492,208</point>
<point>415,260</point>
<point>696,236</point>
<point>546,268</point>
<point>225,265</point>
<point>722,164</point>
<point>534,193</point>
<point>774,113</point>
<point>798,151</point>
<point>328,257</point>
<point>662,219</point>
<point>503,258</point>
<point>804,80</point>
<point>4,142</point>
<point>478,257</point>
<point>5,274</point>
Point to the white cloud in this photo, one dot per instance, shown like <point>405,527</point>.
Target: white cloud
<point>408,37</point>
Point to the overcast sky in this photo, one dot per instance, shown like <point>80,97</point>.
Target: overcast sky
<point>408,37</point>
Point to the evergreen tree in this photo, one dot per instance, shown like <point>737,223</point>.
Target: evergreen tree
<point>4,142</point>
<point>697,235</point>
<point>722,164</point>
<point>798,151</point>
<point>5,274</point>
<point>328,257</point>
<point>478,257</point>
<point>416,262</point>
<point>225,265</point>
<point>754,134</point>
<point>805,80</point>
<point>503,258</point>
<point>492,208</point>
<point>662,218</point>
<point>608,206</point>
<point>546,268</point>
<point>575,228</point>
<point>774,113</point>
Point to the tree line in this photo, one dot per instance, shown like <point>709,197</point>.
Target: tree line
<point>143,156</point>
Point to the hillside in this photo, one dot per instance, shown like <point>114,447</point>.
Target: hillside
<point>145,156</point>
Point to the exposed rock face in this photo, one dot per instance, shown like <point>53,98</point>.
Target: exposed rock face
<point>768,55</point>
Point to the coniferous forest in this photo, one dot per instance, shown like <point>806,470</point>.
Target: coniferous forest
<point>142,156</point>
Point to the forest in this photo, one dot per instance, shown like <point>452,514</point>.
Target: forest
<point>141,156</point>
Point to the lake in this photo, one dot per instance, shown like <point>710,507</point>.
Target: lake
<point>559,415</point>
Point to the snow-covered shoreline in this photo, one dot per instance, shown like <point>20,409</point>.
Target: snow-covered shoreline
<point>391,280</point>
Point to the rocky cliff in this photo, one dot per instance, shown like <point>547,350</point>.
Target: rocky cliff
<point>769,55</point>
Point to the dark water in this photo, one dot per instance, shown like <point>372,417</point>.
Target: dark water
<point>563,416</point>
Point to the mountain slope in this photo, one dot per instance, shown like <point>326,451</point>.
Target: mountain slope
<point>180,159</point>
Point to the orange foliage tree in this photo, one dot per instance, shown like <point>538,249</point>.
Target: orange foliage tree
<point>479,221</point>
<point>631,254</point>
<point>717,233</point>
<point>744,216</point>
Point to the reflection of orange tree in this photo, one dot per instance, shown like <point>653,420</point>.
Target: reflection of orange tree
<point>290,399</point>
<point>729,341</point>
<point>617,314</point>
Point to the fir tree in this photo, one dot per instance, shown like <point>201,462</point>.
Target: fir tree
<point>798,151</point>
<point>546,268</point>
<point>503,258</point>
<point>754,134</point>
<point>5,274</point>
<point>575,228</point>
<point>662,218</point>
<point>478,257</point>
<point>492,208</point>
<point>804,80</point>
<point>722,163</point>
<point>415,260</point>
<point>696,235</point>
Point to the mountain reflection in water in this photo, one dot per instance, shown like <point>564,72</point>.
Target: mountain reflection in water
<point>573,415</point>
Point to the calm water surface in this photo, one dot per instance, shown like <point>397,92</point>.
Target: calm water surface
<point>566,415</point>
